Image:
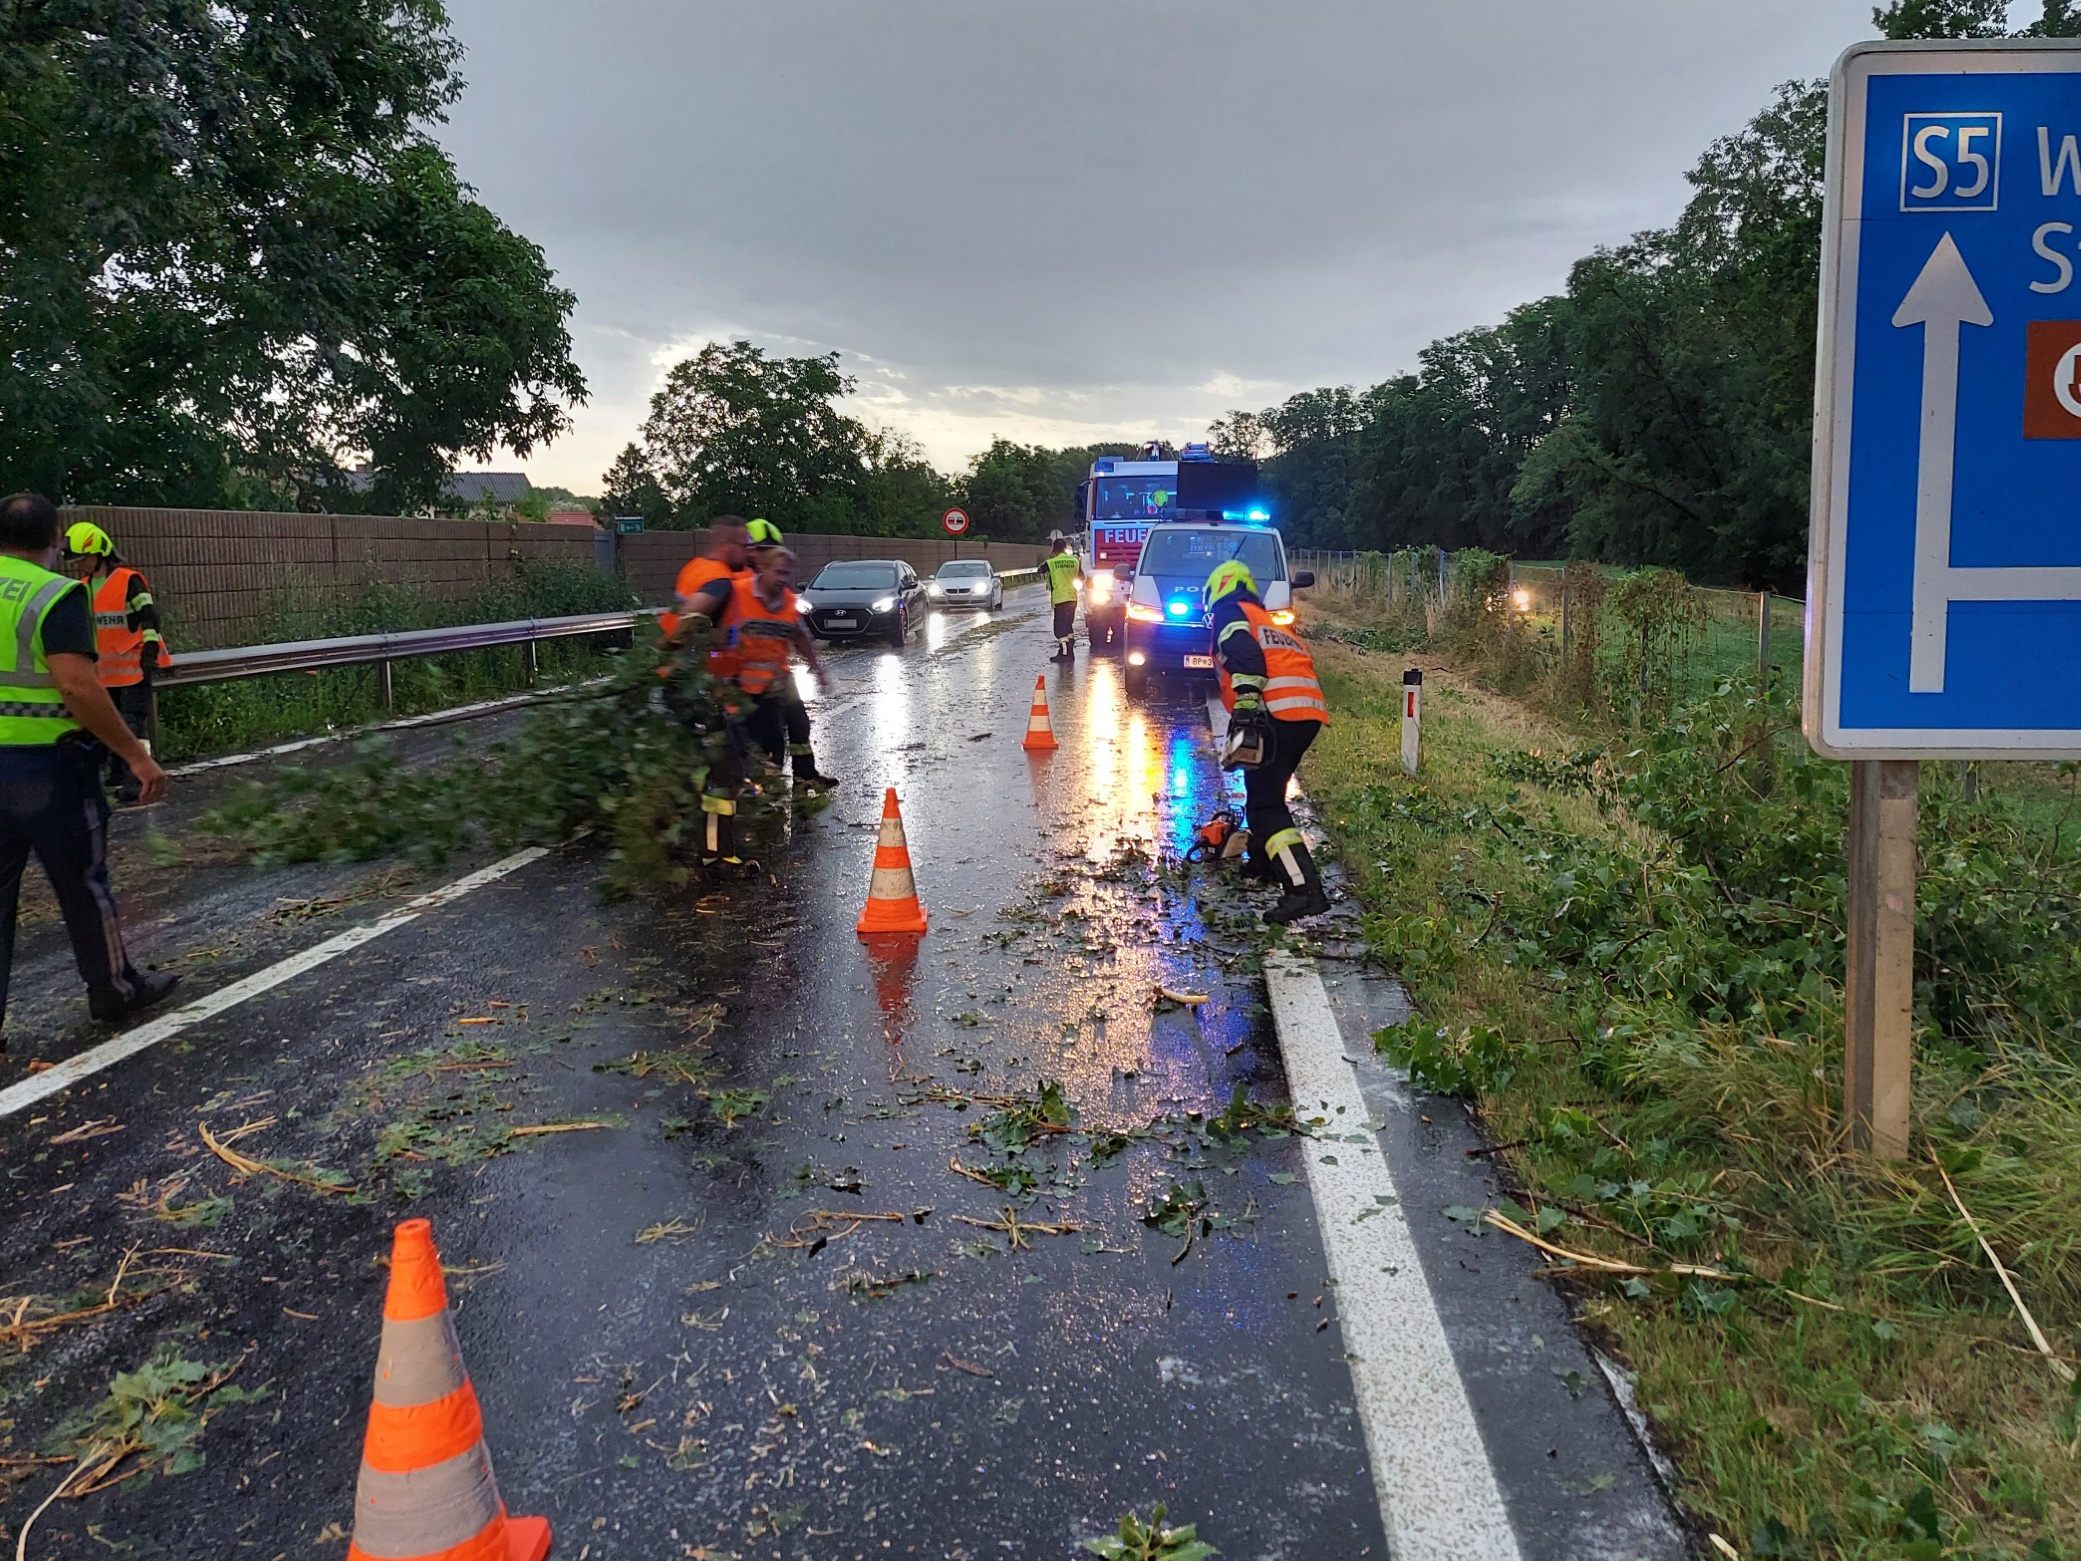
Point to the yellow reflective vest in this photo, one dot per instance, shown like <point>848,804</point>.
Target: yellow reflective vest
<point>32,711</point>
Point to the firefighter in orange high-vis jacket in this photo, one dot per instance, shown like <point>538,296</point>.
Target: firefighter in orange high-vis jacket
<point>1275,708</point>
<point>128,643</point>
<point>766,634</point>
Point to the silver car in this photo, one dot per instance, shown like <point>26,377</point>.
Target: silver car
<point>966,582</point>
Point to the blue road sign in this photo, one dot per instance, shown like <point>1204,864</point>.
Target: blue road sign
<point>1944,583</point>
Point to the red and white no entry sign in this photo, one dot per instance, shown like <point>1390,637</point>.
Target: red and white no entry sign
<point>955,520</point>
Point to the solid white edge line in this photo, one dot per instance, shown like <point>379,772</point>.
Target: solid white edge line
<point>402,724</point>
<point>1438,1493</point>
<point>73,1070</point>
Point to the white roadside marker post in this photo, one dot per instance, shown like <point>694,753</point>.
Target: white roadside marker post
<point>1412,716</point>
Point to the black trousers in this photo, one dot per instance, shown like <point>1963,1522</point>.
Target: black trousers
<point>134,705</point>
<point>780,721</point>
<point>51,803</point>
<point>1065,619</point>
<point>1264,788</point>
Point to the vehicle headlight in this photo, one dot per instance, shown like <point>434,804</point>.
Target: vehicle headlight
<point>1281,617</point>
<point>1141,613</point>
<point>803,604</point>
<point>937,589</point>
<point>1101,588</point>
<point>885,604</point>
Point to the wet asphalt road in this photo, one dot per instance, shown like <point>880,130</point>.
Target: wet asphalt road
<point>768,1309</point>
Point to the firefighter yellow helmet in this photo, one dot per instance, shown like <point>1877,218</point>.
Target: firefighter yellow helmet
<point>1228,578</point>
<point>84,539</point>
<point>762,533</point>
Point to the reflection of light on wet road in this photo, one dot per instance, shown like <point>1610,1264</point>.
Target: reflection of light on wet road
<point>889,701</point>
<point>935,630</point>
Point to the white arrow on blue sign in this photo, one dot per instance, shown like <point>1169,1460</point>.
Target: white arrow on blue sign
<point>1944,581</point>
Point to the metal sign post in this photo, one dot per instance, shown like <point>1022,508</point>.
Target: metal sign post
<point>1944,570</point>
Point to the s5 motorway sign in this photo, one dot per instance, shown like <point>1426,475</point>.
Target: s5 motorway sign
<point>1944,585</point>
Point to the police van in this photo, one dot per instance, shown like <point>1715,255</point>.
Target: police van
<point>1168,625</point>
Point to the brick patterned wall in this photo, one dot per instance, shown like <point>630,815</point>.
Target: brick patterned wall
<point>221,576</point>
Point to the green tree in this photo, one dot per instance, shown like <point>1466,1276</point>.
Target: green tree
<point>236,259</point>
<point>1942,18</point>
<point>736,431</point>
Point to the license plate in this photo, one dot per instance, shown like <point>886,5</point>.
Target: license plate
<point>1200,663</point>
<point>836,622</point>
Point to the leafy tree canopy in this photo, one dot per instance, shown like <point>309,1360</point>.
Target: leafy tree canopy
<point>236,260</point>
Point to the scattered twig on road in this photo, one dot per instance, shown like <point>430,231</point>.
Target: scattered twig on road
<point>98,1128</point>
<point>23,1329</point>
<point>21,1543</point>
<point>245,1165</point>
<point>2030,1323</point>
<point>1016,1230</point>
<point>666,1230</point>
<point>820,1227</point>
<point>1605,1265</point>
<point>968,1366</point>
<point>1182,999</point>
<point>541,1129</point>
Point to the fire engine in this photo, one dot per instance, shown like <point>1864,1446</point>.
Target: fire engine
<point>1125,495</point>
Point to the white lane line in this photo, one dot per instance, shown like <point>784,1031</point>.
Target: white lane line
<point>40,1086</point>
<point>404,724</point>
<point>1437,1489</point>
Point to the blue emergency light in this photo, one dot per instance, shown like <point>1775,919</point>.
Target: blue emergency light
<point>1179,608</point>
<point>1255,517</point>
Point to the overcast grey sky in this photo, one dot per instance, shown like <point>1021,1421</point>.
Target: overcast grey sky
<point>1072,219</point>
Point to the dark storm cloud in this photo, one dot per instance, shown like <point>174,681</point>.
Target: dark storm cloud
<point>1069,216</point>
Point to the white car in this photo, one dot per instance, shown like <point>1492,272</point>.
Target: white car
<point>966,582</point>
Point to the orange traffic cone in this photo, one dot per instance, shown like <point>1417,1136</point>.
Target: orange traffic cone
<point>427,1492</point>
<point>1040,731</point>
<point>892,895</point>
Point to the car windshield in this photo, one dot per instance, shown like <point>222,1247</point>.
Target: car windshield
<point>854,577</point>
<point>1194,552</point>
<point>964,569</point>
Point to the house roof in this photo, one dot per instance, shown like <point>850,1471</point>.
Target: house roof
<point>572,517</point>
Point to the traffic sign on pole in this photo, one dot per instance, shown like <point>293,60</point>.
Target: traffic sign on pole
<point>955,521</point>
<point>1944,565</point>
<point>1944,584</point>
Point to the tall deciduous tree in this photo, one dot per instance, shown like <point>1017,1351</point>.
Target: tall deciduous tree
<point>235,259</point>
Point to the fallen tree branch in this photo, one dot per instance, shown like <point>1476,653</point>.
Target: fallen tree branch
<point>2037,1335</point>
<point>1605,1265</point>
<point>246,1165</point>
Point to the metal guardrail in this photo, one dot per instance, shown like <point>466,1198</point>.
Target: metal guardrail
<point>380,650</point>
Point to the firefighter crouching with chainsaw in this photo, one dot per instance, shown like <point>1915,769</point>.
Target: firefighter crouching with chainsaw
<point>128,646</point>
<point>766,629</point>
<point>1275,708</point>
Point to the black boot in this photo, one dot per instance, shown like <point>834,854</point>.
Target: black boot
<point>109,1006</point>
<point>1303,885</point>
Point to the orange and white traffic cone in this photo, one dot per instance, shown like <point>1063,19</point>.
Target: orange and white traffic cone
<point>1040,731</point>
<point>427,1492</point>
<point>892,894</point>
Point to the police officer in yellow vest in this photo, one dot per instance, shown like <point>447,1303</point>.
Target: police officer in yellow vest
<point>126,636</point>
<point>1063,572</point>
<point>56,728</point>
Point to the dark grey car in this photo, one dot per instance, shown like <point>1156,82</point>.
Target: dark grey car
<point>866,598</point>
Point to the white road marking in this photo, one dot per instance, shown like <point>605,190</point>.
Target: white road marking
<point>40,1086</point>
<point>405,724</point>
<point>1431,1471</point>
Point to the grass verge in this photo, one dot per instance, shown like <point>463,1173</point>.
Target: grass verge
<point>1633,959</point>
